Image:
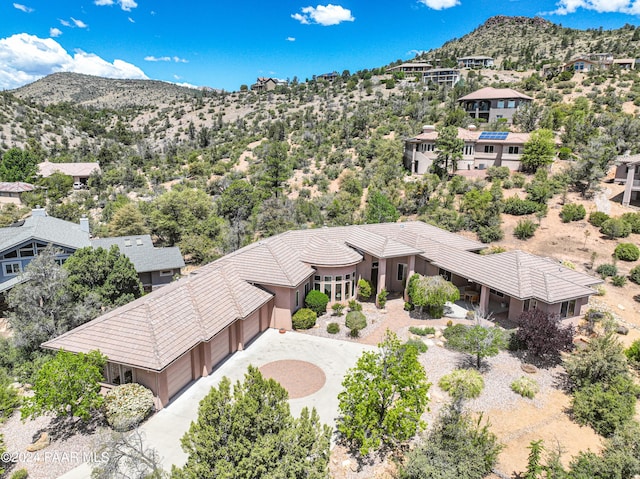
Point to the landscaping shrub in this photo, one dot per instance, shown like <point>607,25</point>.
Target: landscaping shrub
<point>454,331</point>
<point>382,298</point>
<point>354,333</point>
<point>618,281</point>
<point>525,386</point>
<point>518,207</point>
<point>304,318</point>
<point>127,405</point>
<point>364,289</point>
<point>354,305</point>
<point>518,180</point>
<point>356,320</point>
<point>422,331</point>
<point>634,221</point>
<point>542,334</point>
<point>627,252</point>
<point>418,344</point>
<point>634,274</point>
<point>572,212</point>
<point>615,228</point>
<point>462,383</point>
<point>408,306</point>
<point>337,309</point>
<point>633,353</point>
<point>317,302</point>
<point>333,328</point>
<point>600,361</point>
<point>525,229</point>
<point>9,398</point>
<point>564,153</point>
<point>20,474</point>
<point>498,172</point>
<point>597,218</point>
<point>488,234</point>
<point>607,269</point>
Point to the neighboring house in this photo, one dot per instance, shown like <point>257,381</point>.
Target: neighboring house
<point>627,170</point>
<point>171,337</point>
<point>267,84</point>
<point>481,149</point>
<point>592,61</point>
<point>491,104</point>
<point>155,266</point>
<point>80,172</point>
<point>328,76</point>
<point>11,192</point>
<point>442,76</point>
<point>21,242</point>
<point>478,61</point>
<point>410,67</point>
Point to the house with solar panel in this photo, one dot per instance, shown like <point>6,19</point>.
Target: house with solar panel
<point>481,150</point>
<point>492,104</point>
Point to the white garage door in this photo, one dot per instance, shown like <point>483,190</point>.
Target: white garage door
<point>251,328</point>
<point>179,374</point>
<point>219,348</point>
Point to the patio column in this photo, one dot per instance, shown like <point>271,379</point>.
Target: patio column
<point>484,299</point>
<point>382,274</point>
<point>628,186</point>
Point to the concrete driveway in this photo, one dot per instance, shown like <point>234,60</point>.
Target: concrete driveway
<point>164,430</point>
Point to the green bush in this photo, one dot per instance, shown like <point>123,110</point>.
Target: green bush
<point>525,386</point>
<point>127,405</point>
<point>634,221</point>
<point>564,153</point>
<point>417,344</point>
<point>317,302</point>
<point>462,383</point>
<point>633,353</point>
<point>518,207</point>
<point>422,331</point>
<point>382,298</point>
<point>337,309</point>
<point>606,407</point>
<point>634,274</point>
<point>627,252</point>
<point>354,305</point>
<point>572,212</point>
<point>618,281</point>
<point>304,318</point>
<point>364,289</point>
<point>356,320</point>
<point>20,474</point>
<point>597,218</point>
<point>525,229</point>
<point>498,172</point>
<point>9,398</point>
<point>354,333</point>
<point>607,269</point>
<point>518,180</point>
<point>488,234</point>
<point>408,306</point>
<point>333,328</point>
<point>615,228</point>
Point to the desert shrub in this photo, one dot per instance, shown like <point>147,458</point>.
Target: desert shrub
<point>454,331</point>
<point>606,407</point>
<point>356,320</point>
<point>9,398</point>
<point>354,333</point>
<point>354,305</point>
<point>597,218</point>
<point>337,309</point>
<point>618,281</point>
<point>490,233</point>
<point>572,212</point>
<point>382,298</point>
<point>304,318</point>
<point>564,153</point>
<point>127,405</point>
<point>498,172</point>
<point>518,207</point>
<point>364,289</point>
<point>525,229</point>
<point>568,264</point>
<point>493,250</point>
<point>462,383</point>
<point>634,274</point>
<point>542,334</point>
<point>634,221</point>
<point>627,252</point>
<point>525,386</point>
<point>422,331</point>
<point>333,328</point>
<point>633,353</point>
<point>20,474</point>
<point>601,360</point>
<point>317,302</point>
<point>615,228</point>
<point>408,306</point>
<point>607,269</point>
<point>418,344</point>
<point>518,180</point>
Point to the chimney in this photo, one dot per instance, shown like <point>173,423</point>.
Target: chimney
<point>38,211</point>
<point>472,127</point>
<point>84,224</point>
<point>428,128</point>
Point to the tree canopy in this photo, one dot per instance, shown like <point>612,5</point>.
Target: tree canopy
<point>433,292</point>
<point>449,151</point>
<point>539,151</point>
<point>18,165</point>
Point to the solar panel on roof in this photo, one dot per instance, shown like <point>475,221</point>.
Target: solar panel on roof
<point>493,135</point>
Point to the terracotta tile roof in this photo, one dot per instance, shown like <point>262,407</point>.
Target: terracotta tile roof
<point>72,169</point>
<point>153,331</point>
<point>15,187</point>
<point>490,93</point>
<point>321,252</point>
<point>473,136</point>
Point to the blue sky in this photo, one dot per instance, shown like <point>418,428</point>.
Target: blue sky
<point>225,44</point>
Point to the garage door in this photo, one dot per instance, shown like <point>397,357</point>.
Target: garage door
<point>251,328</point>
<point>179,374</point>
<point>219,348</point>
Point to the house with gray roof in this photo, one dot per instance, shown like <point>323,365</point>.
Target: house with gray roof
<point>491,104</point>
<point>171,337</point>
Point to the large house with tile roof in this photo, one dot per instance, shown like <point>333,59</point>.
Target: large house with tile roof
<point>11,192</point>
<point>80,172</point>
<point>171,337</point>
<point>490,104</point>
<point>481,150</point>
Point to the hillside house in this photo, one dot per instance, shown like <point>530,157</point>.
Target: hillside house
<point>267,84</point>
<point>11,192</point>
<point>410,67</point>
<point>441,76</point>
<point>171,337</point>
<point>330,77</point>
<point>627,170</point>
<point>80,172</point>
<point>490,104</point>
<point>481,150</point>
<point>477,61</point>
<point>591,62</point>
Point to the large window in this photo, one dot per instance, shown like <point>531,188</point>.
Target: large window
<point>568,309</point>
<point>445,274</point>
<point>514,150</point>
<point>488,148</point>
<point>11,269</point>
<point>337,288</point>
<point>402,272</point>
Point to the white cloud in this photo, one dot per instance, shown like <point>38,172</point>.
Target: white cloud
<point>131,20</point>
<point>23,8</point>
<point>102,3</point>
<point>64,23</point>
<point>54,32</point>
<point>440,4</point>
<point>151,58</point>
<point>324,15</point>
<point>291,39</point>
<point>180,60</point>
<point>25,58</point>
<point>631,7</point>
<point>79,23</point>
<point>126,5</point>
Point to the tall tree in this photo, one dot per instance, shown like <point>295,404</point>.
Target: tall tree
<point>449,151</point>
<point>383,397</point>
<point>480,340</point>
<point>127,221</point>
<point>379,209</point>
<point>276,168</point>
<point>539,151</point>
<point>249,433</point>
<point>18,165</point>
